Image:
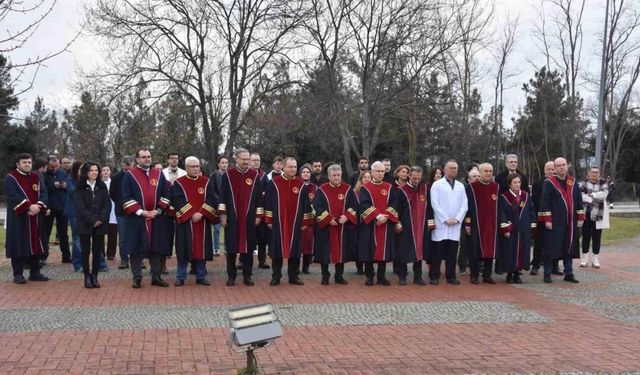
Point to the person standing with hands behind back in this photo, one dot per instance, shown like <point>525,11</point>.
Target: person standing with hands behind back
<point>93,205</point>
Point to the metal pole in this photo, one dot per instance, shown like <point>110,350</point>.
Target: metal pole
<point>251,363</point>
<point>603,77</point>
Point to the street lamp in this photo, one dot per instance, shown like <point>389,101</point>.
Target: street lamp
<point>253,327</point>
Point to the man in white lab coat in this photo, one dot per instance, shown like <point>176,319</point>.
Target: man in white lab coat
<point>449,202</point>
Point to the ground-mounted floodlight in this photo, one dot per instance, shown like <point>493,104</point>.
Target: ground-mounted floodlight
<point>253,327</point>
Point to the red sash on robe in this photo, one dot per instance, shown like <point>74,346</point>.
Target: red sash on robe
<point>241,185</point>
<point>379,193</point>
<point>518,201</point>
<point>337,202</point>
<point>307,234</point>
<point>417,198</point>
<point>30,186</point>
<point>485,197</point>
<point>567,198</point>
<point>195,190</point>
<point>148,186</point>
<point>288,195</point>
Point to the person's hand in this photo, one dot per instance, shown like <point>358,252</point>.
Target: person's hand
<point>97,224</point>
<point>382,219</point>
<point>223,220</point>
<point>343,219</point>
<point>304,227</point>
<point>270,226</point>
<point>34,209</point>
<point>196,217</point>
<point>580,223</point>
<point>452,221</point>
<point>508,234</point>
<point>334,222</point>
<point>467,230</point>
<point>548,225</point>
<point>63,185</point>
<point>258,221</point>
<point>56,184</point>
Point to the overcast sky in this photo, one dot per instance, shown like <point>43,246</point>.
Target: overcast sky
<point>54,82</point>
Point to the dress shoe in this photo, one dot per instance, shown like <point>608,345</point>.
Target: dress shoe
<point>296,281</point>
<point>231,282</point>
<point>403,281</point>
<point>137,283</point>
<point>274,282</point>
<point>517,279</point>
<point>369,282</point>
<point>159,282</point>
<point>534,271</point>
<point>570,278</point>
<point>419,281</point>
<point>510,278</point>
<point>547,278</point>
<point>38,277</point>
<point>88,283</point>
<point>325,280</point>
<point>488,280</point>
<point>248,282</point>
<point>434,281</point>
<point>475,280</point>
<point>384,282</point>
<point>204,282</point>
<point>19,279</point>
<point>264,266</point>
<point>453,281</point>
<point>94,280</point>
<point>179,282</point>
<point>462,270</point>
<point>341,281</point>
<point>123,265</point>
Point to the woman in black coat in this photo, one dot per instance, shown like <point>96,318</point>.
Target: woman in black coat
<point>93,205</point>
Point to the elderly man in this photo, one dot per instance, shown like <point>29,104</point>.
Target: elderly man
<point>511,164</point>
<point>594,195</point>
<point>335,206</point>
<point>562,213</point>
<point>240,212</point>
<point>378,205</point>
<point>262,232</point>
<point>194,199</point>
<point>287,212</point>
<point>449,203</point>
<point>481,223</point>
<point>55,180</point>
<point>536,194</point>
<point>463,254</point>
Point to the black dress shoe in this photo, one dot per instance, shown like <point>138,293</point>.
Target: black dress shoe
<point>488,280</point>
<point>434,282</point>
<point>204,282</point>
<point>38,277</point>
<point>325,280</point>
<point>19,279</point>
<point>570,278</point>
<point>509,278</point>
<point>231,282</point>
<point>419,281</point>
<point>517,279</point>
<point>475,280</point>
<point>94,280</point>
<point>369,282</point>
<point>88,283</point>
<point>296,281</point>
<point>547,278</point>
<point>384,282</point>
<point>341,280</point>
<point>137,283</point>
<point>274,282</point>
<point>159,282</point>
<point>403,281</point>
<point>534,271</point>
<point>248,282</point>
<point>179,283</point>
<point>453,281</point>
<point>264,266</point>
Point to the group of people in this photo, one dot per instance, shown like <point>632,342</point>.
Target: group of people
<point>305,215</point>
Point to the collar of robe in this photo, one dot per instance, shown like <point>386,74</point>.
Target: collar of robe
<point>514,193</point>
<point>376,182</point>
<point>21,172</point>
<point>335,186</point>
<point>288,178</point>
<point>242,170</point>
<point>484,183</point>
<point>192,178</point>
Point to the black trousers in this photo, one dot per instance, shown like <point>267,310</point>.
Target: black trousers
<point>380,273</point>
<point>31,261</point>
<point>306,262</point>
<point>339,270</point>
<point>62,225</point>
<point>403,270</point>
<point>293,265</point>
<point>247,264</point>
<point>112,240</point>
<point>463,253</point>
<point>537,249</point>
<point>94,245</point>
<point>136,265</point>
<point>262,251</point>
<point>589,234</point>
<point>446,250</point>
<point>487,265</point>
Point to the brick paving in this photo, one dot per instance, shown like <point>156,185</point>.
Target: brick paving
<point>59,327</point>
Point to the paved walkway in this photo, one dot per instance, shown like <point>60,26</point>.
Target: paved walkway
<point>59,327</point>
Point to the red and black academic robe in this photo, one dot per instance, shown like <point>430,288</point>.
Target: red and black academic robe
<point>262,231</point>
<point>561,205</point>
<point>240,199</point>
<point>377,242</point>
<point>517,217</point>
<point>191,195</point>
<point>287,209</point>
<point>309,232</point>
<point>25,233</point>
<point>146,192</point>
<point>333,243</point>
<point>412,238</point>
<point>482,218</point>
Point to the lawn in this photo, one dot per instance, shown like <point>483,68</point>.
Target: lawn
<point>621,229</point>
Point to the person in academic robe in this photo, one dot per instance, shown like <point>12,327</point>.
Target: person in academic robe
<point>481,223</point>
<point>146,204</point>
<point>449,203</point>
<point>194,199</point>
<point>517,224</point>
<point>536,195</point>
<point>262,232</point>
<point>26,198</point>
<point>363,178</point>
<point>240,211</point>
<point>288,214</point>
<point>335,207</point>
<point>562,213</point>
<point>412,239</point>
<point>308,234</point>
<point>378,204</point>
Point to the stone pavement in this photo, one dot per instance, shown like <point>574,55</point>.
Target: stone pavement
<point>59,327</point>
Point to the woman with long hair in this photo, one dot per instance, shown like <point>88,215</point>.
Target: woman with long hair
<point>400,175</point>
<point>308,233</point>
<point>94,206</point>
<point>71,213</point>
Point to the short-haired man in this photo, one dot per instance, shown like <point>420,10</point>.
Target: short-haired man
<point>115,191</point>
<point>216,180</point>
<point>277,165</point>
<point>316,176</point>
<point>473,174</point>
<point>56,180</point>
<point>511,165</point>
<point>172,172</point>
<point>536,195</point>
<point>262,231</point>
<point>388,176</point>
<point>26,204</point>
<point>363,165</point>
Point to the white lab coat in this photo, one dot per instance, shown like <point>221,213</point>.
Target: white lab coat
<point>448,203</point>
